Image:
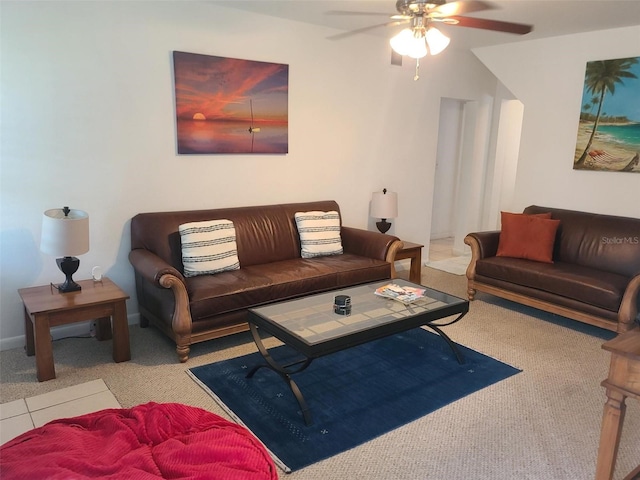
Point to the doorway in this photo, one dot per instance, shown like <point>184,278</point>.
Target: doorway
<point>461,166</point>
<point>476,163</point>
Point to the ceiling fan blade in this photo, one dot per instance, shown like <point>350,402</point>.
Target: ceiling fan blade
<point>459,8</point>
<point>496,25</point>
<point>365,29</point>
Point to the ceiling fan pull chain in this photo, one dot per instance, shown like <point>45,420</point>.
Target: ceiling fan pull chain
<point>417,76</point>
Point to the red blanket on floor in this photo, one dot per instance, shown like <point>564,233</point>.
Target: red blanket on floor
<point>149,441</point>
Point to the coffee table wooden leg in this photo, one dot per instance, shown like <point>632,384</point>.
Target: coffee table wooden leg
<point>45,370</point>
<point>612,419</point>
<point>28,332</point>
<point>121,347</point>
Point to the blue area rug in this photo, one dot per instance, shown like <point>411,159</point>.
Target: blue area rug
<point>354,395</point>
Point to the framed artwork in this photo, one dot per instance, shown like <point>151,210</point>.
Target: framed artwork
<point>228,105</point>
<point>609,127</point>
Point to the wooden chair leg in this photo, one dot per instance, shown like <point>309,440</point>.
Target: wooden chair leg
<point>612,419</point>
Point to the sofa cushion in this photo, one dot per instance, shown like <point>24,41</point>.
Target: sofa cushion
<point>527,236</point>
<point>319,233</point>
<point>260,284</point>
<point>514,293</point>
<point>584,284</point>
<point>208,247</point>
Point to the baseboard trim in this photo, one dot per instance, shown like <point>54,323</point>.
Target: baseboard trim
<point>64,331</point>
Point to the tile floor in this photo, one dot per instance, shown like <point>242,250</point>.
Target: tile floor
<point>22,415</point>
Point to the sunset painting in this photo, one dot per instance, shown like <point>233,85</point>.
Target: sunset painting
<point>609,128</point>
<point>229,105</point>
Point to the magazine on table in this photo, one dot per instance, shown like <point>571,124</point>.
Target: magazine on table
<point>405,295</point>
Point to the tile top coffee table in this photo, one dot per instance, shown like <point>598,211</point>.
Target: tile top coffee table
<point>46,307</point>
<point>310,325</point>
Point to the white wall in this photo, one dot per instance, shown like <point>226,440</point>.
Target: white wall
<point>547,76</point>
<point>88,121</point>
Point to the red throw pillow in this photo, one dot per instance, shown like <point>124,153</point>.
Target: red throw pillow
<point>527,236</point>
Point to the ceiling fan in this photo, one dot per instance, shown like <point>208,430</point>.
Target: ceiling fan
<point>421,37</point>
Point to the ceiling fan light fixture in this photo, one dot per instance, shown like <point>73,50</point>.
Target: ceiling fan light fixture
<point>401,42</point>
<point>410,42</point>
<point>418,47</point>
<point>436,40</point>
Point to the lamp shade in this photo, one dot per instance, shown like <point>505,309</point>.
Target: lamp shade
<point>409,42</point>
<point>436,40</point>
<point>384,204</point>
<point>402,41</point>
<point>65,232</point>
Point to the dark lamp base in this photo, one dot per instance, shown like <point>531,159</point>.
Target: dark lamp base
<point>68,266</point>
<point>68,286</point>
<point>383,225</point>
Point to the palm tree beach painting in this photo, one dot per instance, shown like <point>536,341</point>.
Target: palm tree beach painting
<point>609,128</point>
<point>229,105</point>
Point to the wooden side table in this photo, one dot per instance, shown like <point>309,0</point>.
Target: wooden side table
<point>414,252</point>
<point>46,307</point>
<point>623,381</point>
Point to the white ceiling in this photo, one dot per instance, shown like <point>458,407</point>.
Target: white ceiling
<point>550,18</point>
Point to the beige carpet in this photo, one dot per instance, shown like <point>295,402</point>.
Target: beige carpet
<point>455,265</point>
<point>543,423</point>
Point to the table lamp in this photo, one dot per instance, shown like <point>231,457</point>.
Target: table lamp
<point>65,232</point>
<point>384,205</point>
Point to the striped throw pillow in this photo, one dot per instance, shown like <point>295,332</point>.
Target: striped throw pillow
<point>319,233</point>
<point>208,247</point>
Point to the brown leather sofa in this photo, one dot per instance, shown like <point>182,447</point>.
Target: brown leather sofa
<point>594,277</point>
<point>194,309</point>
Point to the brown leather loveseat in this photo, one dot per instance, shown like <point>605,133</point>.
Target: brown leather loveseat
<point>198,308</point>
<point>594,276</point>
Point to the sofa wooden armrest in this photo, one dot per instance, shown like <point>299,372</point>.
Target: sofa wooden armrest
<point>483,245</point>
<point>371,244</point>
<point>630,305</point>
<point>164,284</point>
<point>151,266</point>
